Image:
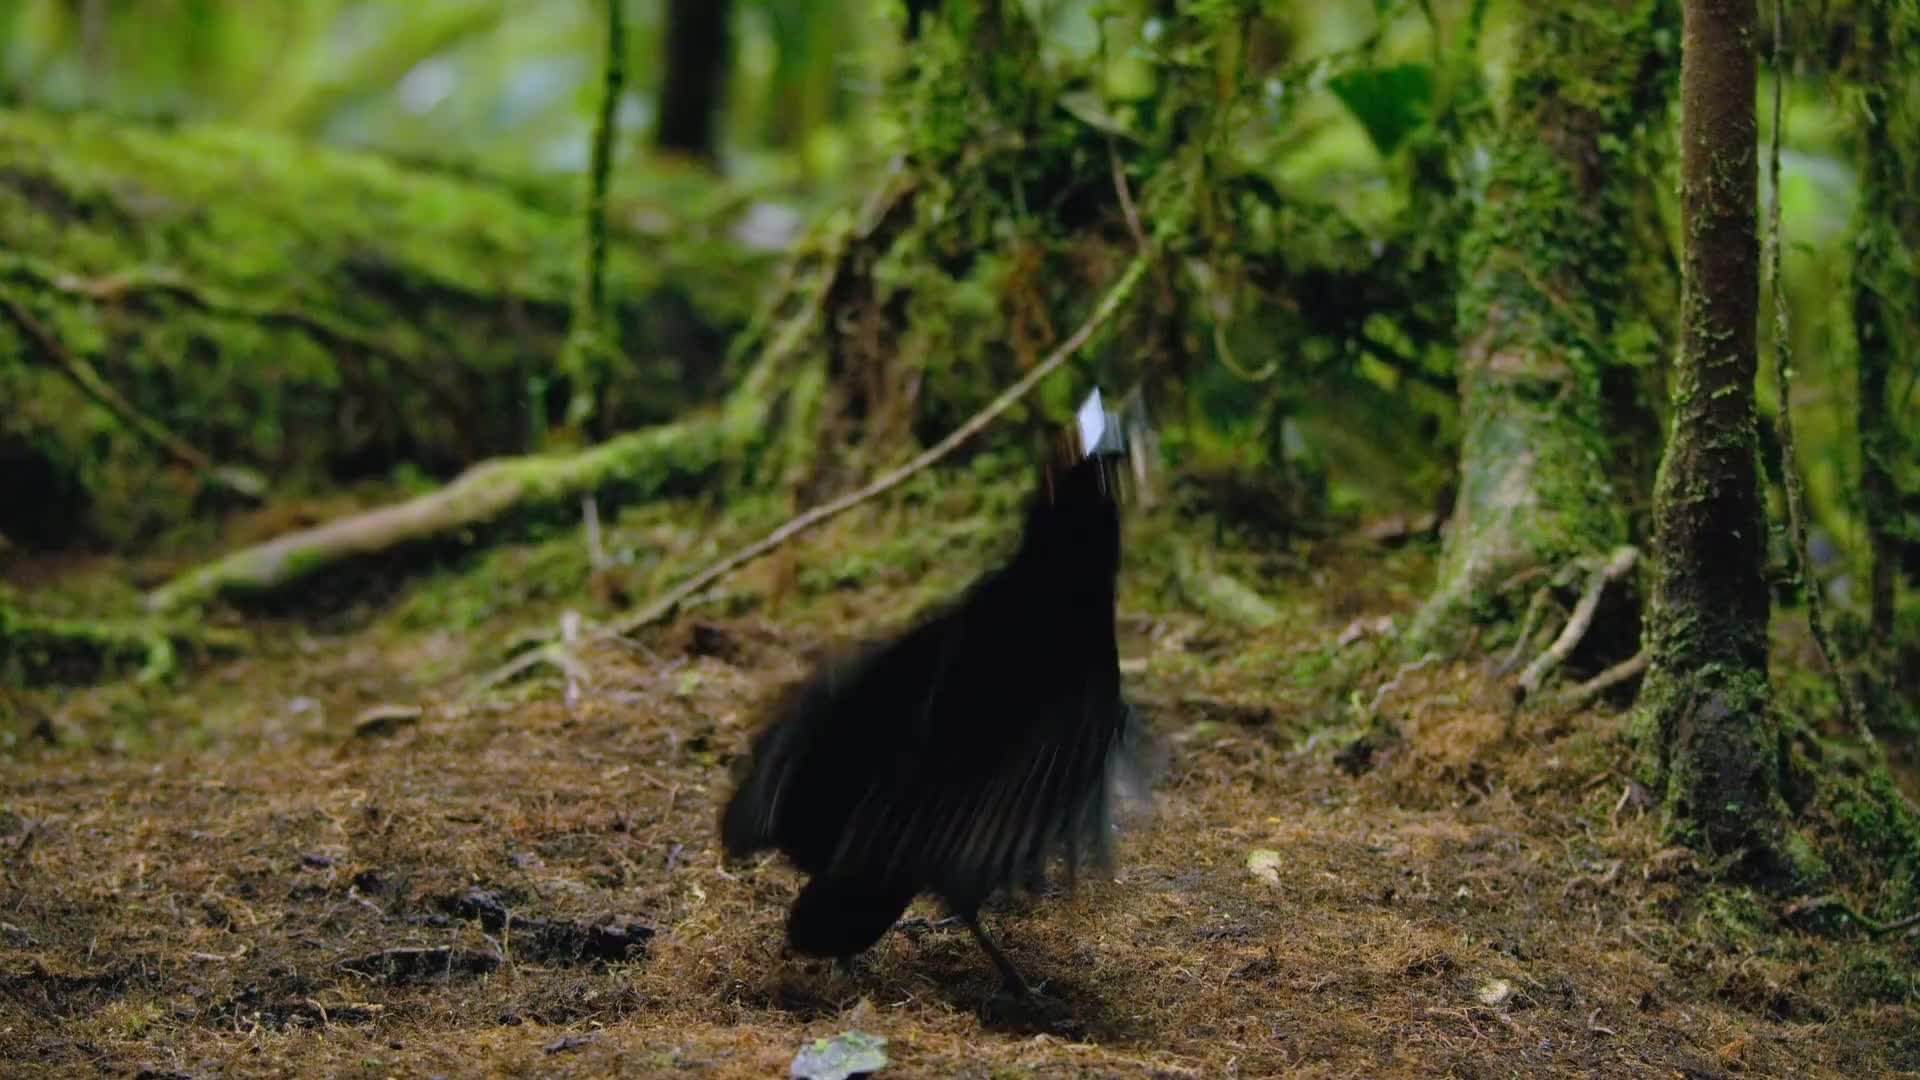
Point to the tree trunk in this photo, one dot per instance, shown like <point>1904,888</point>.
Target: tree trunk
<point>1549,307</point>
<point>698,56</point>
<point>1705,698</point>
<point>1882,225</point>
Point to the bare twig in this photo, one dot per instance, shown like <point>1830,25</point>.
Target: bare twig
<point>1850,704</point>
<point>596,550</point>
<point>1127,207</point>
<point>1802,908</point>
<point>1898,924</point>
<point>1406,669</point>
<point>90,383</point>
<point>1616,567</point>
<point>667,604</point>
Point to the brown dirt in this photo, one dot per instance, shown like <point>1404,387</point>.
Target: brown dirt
<point>1467,906</point>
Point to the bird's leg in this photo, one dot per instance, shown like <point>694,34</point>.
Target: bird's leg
<point>1010,974</point>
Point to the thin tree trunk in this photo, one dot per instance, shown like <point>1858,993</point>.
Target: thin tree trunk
<point>698,56</point>
<point>1705,697</point>
<point>587,360</point>
<point>1882,191</point>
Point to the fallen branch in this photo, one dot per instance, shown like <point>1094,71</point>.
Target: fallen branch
<point>1802,910</point>
<point>1222,596</point>
<point>480,495</point>
<point>667,604</point>
<point>651,461</point>
<point>1616,567</point>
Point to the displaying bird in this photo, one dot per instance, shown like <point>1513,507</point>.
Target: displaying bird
<point>965,755</point>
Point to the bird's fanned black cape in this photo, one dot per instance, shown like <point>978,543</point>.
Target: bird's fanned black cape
<point>964,755</point>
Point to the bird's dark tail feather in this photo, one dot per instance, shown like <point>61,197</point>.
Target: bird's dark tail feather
<point>838,918</point>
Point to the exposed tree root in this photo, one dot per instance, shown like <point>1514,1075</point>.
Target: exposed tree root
<point>1617,566</point>
<point>1533,621</point>
<point>1632,667</point>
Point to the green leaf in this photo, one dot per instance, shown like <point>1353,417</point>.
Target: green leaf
<point>849,1053</point>
<point>1390,102</point>
<point>1090,109</point>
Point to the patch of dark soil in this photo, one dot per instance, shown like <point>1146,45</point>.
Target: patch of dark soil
<point>62,994</point>
<point>278,1013</point>
<point>607,939</point>
<point>405,965</point>
<point>578,1001</point>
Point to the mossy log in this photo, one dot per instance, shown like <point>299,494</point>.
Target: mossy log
<point>317,315</point>
<point>493,495</point>
<point>751,432</point>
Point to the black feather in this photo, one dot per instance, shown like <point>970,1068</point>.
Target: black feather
<point>967,754</point>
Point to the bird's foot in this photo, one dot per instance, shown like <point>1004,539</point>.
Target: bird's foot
<point>1024,1007</point>
<point>916,926</point>
<point>1021,989</point>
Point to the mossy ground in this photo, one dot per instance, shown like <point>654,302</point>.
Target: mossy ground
<point>198,889</point>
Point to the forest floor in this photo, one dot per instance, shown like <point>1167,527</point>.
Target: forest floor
<point>318,859</point>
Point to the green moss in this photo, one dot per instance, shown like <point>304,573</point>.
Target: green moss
<point>1810,871</point>
<point>314,313</point>
<point>462,597</point>
<point>1871,974</point>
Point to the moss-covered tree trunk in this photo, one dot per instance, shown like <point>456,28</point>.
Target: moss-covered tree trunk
<point>1548,312</point>
<point>1705,697</point>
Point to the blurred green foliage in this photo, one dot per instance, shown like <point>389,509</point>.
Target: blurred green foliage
<point>1319,130</point>
<point>488,84</point>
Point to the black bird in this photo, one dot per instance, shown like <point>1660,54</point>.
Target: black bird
<point>963,756</point>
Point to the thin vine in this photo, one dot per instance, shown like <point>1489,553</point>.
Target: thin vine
<point>1783,416</point>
